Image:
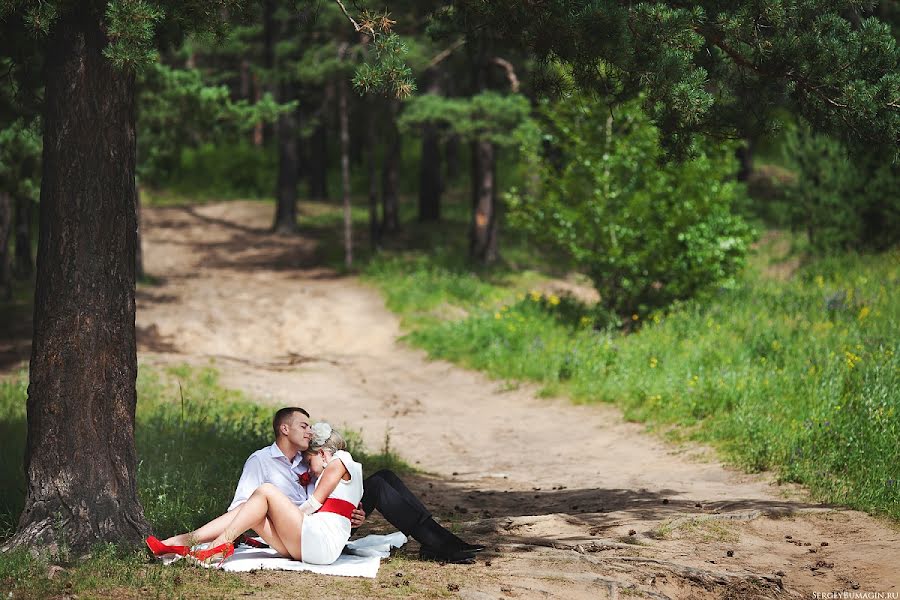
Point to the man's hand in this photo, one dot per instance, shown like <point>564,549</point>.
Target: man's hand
<point>357,518</point>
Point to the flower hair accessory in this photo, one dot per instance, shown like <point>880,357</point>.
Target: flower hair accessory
<point>321,433</point>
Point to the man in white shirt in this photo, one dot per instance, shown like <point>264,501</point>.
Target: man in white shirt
<point>282,465</point>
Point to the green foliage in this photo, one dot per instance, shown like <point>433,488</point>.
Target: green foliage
<point>236,170</point>
<point>647,233</point>
<point>714,66</point>
<point>20,158</point>
<point>840,201</point>
<point>799,377</point>
<point>499,118</point>
<point>178,111</point>
<point>387,72</point>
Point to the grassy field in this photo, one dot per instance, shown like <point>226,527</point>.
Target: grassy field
<point>192,439</point>
<point>800,376</point>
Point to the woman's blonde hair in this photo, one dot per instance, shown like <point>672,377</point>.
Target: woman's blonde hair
<point>325,437</point>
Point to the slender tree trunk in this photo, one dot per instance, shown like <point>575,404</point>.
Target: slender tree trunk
<point>744,155</point>
<point>286,193</point>
<point>80,457</point>
<point>318,162</point>
<point>6,220</point>
<point>24,265</point>
<point>372,160</point>
<point>483,243</point>
<point>390,173</point>
<point>270,38</point>
<point>431,184</point>
<point>344,118</point>
<point>451,159</point>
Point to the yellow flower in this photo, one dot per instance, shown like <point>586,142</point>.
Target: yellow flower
<point>864,312</point>
<point>498,315</point>
<point>820,281</point>
<point>653,362</point>
<point>634,317</point>
<point>553,300</point>
<point>584,321</point>
<point>520,296</point>
<point>535,295</point>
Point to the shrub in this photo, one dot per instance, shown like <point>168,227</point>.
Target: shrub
<point>646,232</point>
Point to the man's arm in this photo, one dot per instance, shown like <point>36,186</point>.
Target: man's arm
<point>358,517</point>
<point>251,478</point>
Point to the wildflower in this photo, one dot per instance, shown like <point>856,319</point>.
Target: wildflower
<point>820,281</point>
<point>584,321</point>
<point>634,317</point>
<point>553,299</point>
<point>653,362</point>
<point>498,315</point>
<point>535,295</point>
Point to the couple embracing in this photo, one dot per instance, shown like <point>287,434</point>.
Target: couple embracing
<point>304,493</point>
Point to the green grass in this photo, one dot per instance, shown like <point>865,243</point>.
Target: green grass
<point>798,376</point>
<point>190,455</point>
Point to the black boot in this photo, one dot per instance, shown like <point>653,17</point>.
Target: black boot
<point>439,544</point>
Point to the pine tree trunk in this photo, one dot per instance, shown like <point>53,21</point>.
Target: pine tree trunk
<point>6,220</point>
<point>24,265</point>
<point>344,119</point>
<point>451,159</point>
<point>483,246</point>
<point>372,160</point>
<point>390,173</point>
<point>318,163</point>
<point>431,185</point>
<point>138,248</point>
<point>286,194</point>
<point>744,155</point>
<point>80,457</point>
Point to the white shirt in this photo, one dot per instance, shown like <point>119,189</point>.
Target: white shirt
<point>270,465</point>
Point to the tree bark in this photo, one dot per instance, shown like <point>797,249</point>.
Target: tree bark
<point>744,155</point>
<point>138,250</point>
<point>344,118</point>
<point>390,173</point>
<point>24,265</point>
<point>483,232</point>
<point>451,159</point>
<point>286,193</point>
<point>6,219</point>
<point>80,457</point>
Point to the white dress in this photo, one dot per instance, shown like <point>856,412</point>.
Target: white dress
<point>324,534</point>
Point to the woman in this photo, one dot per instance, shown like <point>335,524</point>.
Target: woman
<point>317,530</point>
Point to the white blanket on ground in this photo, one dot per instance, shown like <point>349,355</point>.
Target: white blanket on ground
<point>361,558</point>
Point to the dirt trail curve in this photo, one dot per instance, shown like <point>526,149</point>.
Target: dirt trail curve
<point>573,501</point>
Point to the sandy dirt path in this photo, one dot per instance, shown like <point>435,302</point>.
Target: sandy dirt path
<point>573,502</point>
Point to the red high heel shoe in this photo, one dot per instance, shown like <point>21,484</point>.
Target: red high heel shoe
<point>158,548</point>
<point>226,550</point>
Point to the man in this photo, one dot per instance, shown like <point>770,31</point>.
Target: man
<point>282,464</point>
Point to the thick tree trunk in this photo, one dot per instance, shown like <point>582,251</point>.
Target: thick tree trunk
<point>80,456</point>
<point>6,220</point>
<point>24,264</point>
<point>138,249</point>
<point>431,184</point>
<point>318,163</point>
<point>344,118</point>
<point>390,172</point>
<point>483,232</point>
<point>286,194</point>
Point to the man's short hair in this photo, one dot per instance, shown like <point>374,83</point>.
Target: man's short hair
<point>284,415</point>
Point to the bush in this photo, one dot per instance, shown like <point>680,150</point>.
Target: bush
<point>841,202</point>
<point>647,233</point>
<point>238,170</point>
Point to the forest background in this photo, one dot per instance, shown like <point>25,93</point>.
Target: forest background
<point>736,286</point>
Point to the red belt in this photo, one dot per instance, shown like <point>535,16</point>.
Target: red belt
<point>341,507</point>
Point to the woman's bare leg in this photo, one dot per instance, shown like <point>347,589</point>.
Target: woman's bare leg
<point>267,533</point>
<point>204,534</point>
<point>267,502</point>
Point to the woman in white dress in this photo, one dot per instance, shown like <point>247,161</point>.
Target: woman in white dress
<point>317,530</point>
